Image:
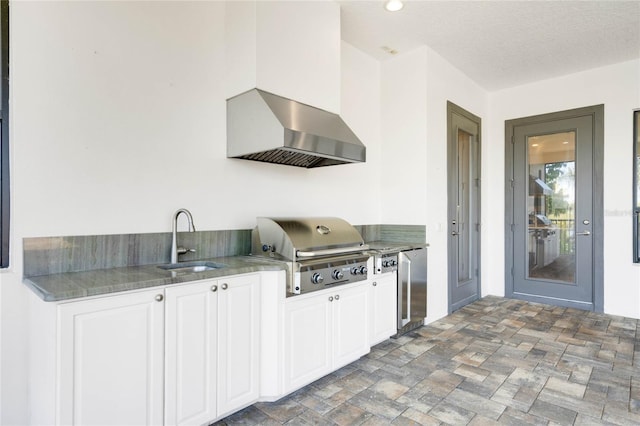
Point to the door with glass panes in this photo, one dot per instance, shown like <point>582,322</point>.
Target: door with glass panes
<point>463,182</point>
<point>554,217</point>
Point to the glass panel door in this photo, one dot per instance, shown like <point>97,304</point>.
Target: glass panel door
<point>463,206</point>
<point>553,211</point>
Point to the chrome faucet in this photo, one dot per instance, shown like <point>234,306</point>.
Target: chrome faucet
<point>175,250</point>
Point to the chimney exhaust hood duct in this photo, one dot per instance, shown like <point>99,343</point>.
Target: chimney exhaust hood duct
<point>265,127</point>
<point>538,187</point>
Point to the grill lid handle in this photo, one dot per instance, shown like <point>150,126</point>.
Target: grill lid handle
<point>328,252</point>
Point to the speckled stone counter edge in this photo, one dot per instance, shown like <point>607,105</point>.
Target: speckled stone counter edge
<point>73,285</point>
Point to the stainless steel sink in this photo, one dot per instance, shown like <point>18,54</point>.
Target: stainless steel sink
<point>191,267</point>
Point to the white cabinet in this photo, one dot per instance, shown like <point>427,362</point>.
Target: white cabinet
<point>350,325</point>
<point>308,352</point>
<point>324,331</point>
<point>187,354</point>
<point>238,342</point>
<point>383,300</point>
<point>110,364</point>
<point>191,336</point>
<point>212,348</point>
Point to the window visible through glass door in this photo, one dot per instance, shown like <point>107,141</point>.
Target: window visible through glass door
<point>551,207</point>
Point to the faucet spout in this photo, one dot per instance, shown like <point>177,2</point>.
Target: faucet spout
<point>174,234</point>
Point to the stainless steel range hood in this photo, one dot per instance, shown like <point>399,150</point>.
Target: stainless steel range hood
<point>265,127</point>
<point>538,187</point>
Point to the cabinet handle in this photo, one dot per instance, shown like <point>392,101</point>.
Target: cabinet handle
<point>224,286</point>
<point>214,288</point>
<point>330,298</point>
<point>375,283</point>
<point>159,298</point>
<point>337,296</point>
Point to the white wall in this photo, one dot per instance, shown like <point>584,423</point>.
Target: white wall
<point>404,135</point>
<point>118,119</point>
<point>289,48</point>
<point>415,89</point>
<point>618,88</point>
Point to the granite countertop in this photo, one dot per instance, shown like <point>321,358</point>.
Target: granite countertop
<point>72,285</point>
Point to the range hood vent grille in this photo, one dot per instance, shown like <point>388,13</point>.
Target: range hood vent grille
<point>265,127</point>
<point>284,156</point>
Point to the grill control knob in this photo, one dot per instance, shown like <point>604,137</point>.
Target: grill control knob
<point>363,270</point>
<point>393,262</point>
<point>337,274</point>
<point>317,278</point>
<point>355,270</point>
<point>386,263</point>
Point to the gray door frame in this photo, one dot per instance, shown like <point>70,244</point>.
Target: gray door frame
<point>597,114</point>
<point>452,170</point>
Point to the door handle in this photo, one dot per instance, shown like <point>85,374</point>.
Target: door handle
<point>585,233</point>
<point>454,233</point>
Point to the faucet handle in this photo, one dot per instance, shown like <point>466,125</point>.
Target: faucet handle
<point>182,250</point>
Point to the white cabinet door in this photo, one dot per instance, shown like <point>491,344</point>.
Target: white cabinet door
<point>384,296</point>
<point>324,332</point>
<point>308,341</point>
<point>213,344</point>
<point>238,342</point>
<point>350,324</point>
<point>191,328</point>
<point>110,365</point>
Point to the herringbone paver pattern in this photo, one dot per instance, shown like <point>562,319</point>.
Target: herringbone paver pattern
<point>496,361</point>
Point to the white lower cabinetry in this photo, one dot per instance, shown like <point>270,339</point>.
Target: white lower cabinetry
<point>212,347</point>
<point>110,364</point>
<point>238,343</point>
<point>196,352</point>
<point>191,361</point>
<point>384,307</point>
<point>324,331</point>
<point>186,354</point>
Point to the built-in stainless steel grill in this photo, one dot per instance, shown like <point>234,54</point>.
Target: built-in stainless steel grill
<point>321,251</point>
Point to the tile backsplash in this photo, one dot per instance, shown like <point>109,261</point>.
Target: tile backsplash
<point>415,234</point>
<point>54,255</point>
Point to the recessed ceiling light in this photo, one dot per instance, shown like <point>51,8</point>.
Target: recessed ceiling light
<point>565,143</point>
<point>534,144</point>
<point>389,50</point>
<point>393,5</point>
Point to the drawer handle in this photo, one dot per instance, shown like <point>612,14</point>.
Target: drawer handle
<point>224,286</point>
<point>214,288</point>
<point>337,296</point>
<point>159,298</point>
<point>330,298</point>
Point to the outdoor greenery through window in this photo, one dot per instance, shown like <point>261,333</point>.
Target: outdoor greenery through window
<point>636,186</point>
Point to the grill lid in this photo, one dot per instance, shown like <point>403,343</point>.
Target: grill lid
<point>295,238</point>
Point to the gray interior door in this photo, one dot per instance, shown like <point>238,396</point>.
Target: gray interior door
<point>552,217</point>
<point>463,207</point>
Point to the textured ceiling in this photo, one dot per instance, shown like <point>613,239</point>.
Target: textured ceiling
<point>501,44</point>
